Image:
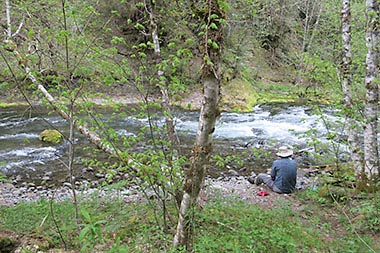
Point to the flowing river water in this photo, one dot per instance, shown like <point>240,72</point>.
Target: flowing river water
<point>262,130</point>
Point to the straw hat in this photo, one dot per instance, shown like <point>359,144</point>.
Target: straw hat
<point>284,151</point>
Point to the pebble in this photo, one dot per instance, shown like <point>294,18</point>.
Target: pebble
<point>66,184</point>
<point>99,175</point>
<point>11,195</point>
<point>46,178</point>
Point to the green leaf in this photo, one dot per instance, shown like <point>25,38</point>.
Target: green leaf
<point>86,215</point>
<point>142,55</point>
<point>171,45</point>
<point>142,45</point>
<point>213,26</point>
<point>115,12</point>
<point>139,26</point>
<point>222,21</point>
<point>116,40</point>
<point>83,233</point>
<point>31,33</point>
<point>214,16</point>
<point>215,45</point>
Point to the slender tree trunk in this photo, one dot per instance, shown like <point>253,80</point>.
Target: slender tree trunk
<point>162,80</point>
<point>316,24</point>
<point>8,14</point>
<point>71,153</point>
<point>371,155</point>
<point>307,40</point>
<point>353,139</point>
<point>201,151</point>
<point>199,160</point>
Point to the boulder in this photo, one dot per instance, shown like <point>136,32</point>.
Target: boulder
<point>51,136</point>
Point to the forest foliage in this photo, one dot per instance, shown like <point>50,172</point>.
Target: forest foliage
<point>274,51</point>
<point>270,45</point>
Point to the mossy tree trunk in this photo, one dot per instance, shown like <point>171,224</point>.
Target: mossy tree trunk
<point>213,15</point>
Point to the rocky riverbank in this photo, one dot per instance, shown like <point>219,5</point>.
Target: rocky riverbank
<point>235,185</point>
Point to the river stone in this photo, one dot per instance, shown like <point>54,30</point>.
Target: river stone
<point>46,178</point>
<point>51,136</point>
<point>233,173</point>
<point>48,173</point>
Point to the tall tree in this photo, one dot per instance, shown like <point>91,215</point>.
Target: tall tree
<point>213,15</point>
<point>347,80</point>
<point>371,155</point>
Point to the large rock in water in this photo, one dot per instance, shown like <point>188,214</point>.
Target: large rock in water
<point>51,136</point>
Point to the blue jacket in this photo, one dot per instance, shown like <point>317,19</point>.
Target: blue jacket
<point>284,174</point>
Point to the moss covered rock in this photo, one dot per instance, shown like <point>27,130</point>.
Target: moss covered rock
<point>51,136</point>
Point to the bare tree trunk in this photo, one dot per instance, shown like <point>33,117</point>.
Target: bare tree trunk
<point>202,148</point>
<point>371,155</point>
<point>8,14</point>
<point>353,139</point>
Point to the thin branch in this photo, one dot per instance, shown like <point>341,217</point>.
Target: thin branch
<point>18,29</point>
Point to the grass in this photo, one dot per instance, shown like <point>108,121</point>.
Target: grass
<point>224,225</point>
<point>239,227</point>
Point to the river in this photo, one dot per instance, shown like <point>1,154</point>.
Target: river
<point>255,134</point>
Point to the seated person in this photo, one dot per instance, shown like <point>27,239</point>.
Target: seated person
<point>283,176</point>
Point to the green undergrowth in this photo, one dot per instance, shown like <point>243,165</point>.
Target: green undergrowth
<point>223,225</point>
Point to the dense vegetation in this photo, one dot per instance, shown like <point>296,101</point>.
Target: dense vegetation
<point>274,51</point>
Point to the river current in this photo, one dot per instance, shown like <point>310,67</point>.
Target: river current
<point>266,127</point>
